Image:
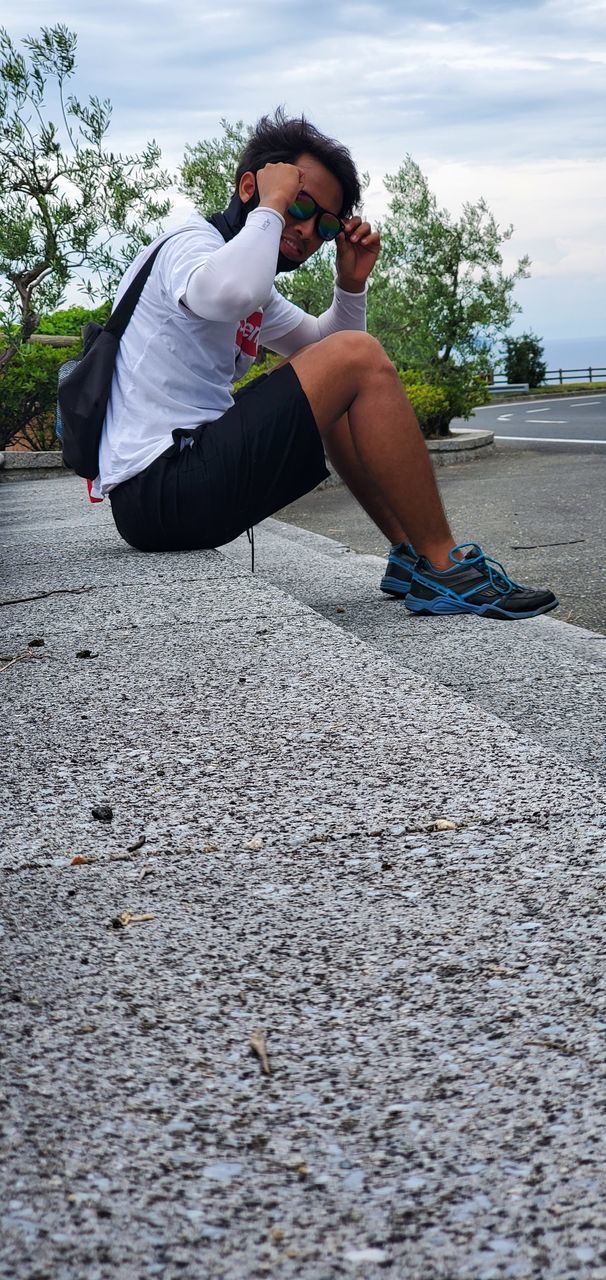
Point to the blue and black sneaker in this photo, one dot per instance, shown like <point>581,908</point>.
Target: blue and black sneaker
<point>474,584</point>
<point>398,575</point>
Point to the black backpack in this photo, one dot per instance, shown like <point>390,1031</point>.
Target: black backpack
<point>85,386</point>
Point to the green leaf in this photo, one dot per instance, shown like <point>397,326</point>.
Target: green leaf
<point>72,208</point>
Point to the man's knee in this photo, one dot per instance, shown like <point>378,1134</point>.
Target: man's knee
<point>360,351</point>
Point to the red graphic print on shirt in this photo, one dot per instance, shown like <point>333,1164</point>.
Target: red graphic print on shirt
<point>247,336</point>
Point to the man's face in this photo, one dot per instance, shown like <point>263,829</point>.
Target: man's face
<point>300,239</point>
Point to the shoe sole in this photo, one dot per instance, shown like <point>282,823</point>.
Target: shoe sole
<point>395,587</point>
<point>443,607</point>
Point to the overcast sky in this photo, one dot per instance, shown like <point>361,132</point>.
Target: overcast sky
<point>490,98</point>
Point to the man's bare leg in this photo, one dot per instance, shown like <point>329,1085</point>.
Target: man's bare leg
<point>349,373</point>
<point>341,450</point>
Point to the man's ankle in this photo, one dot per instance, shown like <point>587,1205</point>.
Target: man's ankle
<point>439,556</point>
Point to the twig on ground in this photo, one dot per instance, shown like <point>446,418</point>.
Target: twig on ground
<point>138,844</point>
<point>259,1048</point>
<point>27,653</point>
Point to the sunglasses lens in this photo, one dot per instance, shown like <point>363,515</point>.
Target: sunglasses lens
<point>303,207</point>
<point>329,226</point>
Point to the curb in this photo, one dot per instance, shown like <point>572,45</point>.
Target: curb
<point>319,543</point>
<point>462,446</point>
<point>17,465</point>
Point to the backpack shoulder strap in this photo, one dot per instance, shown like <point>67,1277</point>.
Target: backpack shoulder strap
<point>122,313</point>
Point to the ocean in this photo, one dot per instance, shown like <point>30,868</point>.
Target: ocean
<point>575,353</point>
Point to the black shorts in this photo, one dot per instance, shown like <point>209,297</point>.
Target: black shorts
<point>263,453</point>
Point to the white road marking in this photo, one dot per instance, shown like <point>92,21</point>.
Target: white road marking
<point>504,417</point>
<point>574,404</point>
<point>545,410</point>
<point>549,440</point>
<point>550,399</point>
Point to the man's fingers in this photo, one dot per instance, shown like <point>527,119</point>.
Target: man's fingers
<point>363,235</point>
<point>279,182</point>
<point>359,230</point>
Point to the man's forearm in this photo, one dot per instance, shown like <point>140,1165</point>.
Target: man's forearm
<point>239,277</point>
<point>347,311</point>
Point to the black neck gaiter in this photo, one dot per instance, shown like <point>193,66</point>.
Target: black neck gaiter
<point>231,221</point>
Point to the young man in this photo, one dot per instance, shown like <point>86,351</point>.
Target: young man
<point>187,467</point>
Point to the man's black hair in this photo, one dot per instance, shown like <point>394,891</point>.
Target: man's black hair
<point>277,139</point>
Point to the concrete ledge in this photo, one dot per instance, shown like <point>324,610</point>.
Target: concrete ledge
<point>315,856</point>
<point>543,674</point>
<point>34,465</point>
<point>15,460</point>
<point>462,446</point>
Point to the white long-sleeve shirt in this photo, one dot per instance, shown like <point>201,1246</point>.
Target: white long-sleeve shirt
<point>195,330</point>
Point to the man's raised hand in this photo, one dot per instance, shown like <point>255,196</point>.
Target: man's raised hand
<point>358,248</point>
<point>279,185</point>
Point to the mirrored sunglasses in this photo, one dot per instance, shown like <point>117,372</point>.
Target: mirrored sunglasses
<point>328,225</point>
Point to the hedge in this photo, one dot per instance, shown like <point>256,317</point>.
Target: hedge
<point>28,388</point>
<point>28,395</point>
<point>431,405</point>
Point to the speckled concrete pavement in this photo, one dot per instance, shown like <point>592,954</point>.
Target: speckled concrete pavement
<point>432,1002</point>
<point>543,676</point>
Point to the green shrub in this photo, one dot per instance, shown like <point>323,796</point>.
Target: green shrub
<point>430,405</point>
<point>524,359</point>
<point>461,389</point>
<point>256,370</point>
<point>413,377</point>
<point>68,323</point>
<point>465,387</point>
<point>28,383</point>
<point>28,395</point>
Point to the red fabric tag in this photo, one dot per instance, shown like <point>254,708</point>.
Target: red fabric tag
<point>89,485</point>
<point>247,336</point>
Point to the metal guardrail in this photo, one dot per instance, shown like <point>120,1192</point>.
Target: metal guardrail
<point>507,388</point>
<point>589,374</point>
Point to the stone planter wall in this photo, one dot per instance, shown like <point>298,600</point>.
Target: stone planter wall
<point>17,464</point>
<point>464,447</point>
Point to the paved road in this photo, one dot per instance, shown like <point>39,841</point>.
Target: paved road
<point>555,423</point>
<point>539,509</point>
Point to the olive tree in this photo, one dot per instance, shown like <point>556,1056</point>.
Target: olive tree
<point>71,207</point>
<point>441,298</point>
<point>456,297</point>
<point>208,172</point>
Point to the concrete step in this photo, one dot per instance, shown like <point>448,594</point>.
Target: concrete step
<point>543,676</point>
<point>432,996</point>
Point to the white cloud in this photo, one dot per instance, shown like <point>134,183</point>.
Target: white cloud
<point>505,101</point>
